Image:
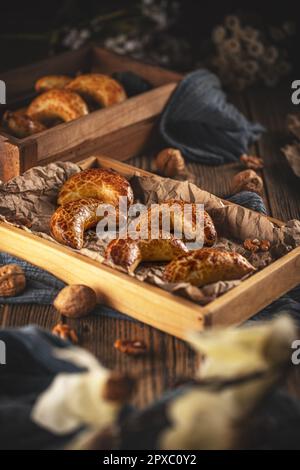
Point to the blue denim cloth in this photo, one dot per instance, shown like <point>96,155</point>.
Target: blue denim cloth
<point>200,122</point>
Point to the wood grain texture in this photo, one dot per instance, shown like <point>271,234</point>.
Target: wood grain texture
<point>10,159</point>
<point>170,359</point>
<point>270,108</point>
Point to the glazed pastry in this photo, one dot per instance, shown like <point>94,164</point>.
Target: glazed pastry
<point>63,105</point>
<point>128,253</point>
<point>69,222</point>
<point>206,266</point>
<point>98,88</point>
<point>210,234</point>
<point>20,125</point>
<point>99,183</point>
<point>51,81</point>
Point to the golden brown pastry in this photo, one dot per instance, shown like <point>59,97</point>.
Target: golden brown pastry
<point>98,88</point>
<point>128,253</point>
<point>20,125</point>
<point>51,81</point>
<point>69,222</point>
<point>99,183</point>
<point>206,266</point>
<point>210,234</point>
<point>63,105</point>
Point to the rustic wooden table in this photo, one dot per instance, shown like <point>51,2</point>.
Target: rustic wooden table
<point>170,359</point>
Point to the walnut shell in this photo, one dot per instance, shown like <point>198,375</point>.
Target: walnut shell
<point>247,180</point>
<point>12,280</point>
<point>75,301</point>
<point>252,162</point>
<point>170,162</point>
<point>65,332</point>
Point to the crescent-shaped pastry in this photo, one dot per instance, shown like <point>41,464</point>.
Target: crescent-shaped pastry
<point>206,266</point>
<point>63,105</point>
<point>128,253</point>
<point>188,224</point>
<point>20,125</point>
<point>51,81</point>
<point>99,88</point>
<point>69,222</point>
<point>99,183</point>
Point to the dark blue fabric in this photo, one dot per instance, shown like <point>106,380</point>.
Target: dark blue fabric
<point>30,368</point>
<point>200,122</point>
<point>42,287</point>
<point>249,200</point>
<point>133,84</point>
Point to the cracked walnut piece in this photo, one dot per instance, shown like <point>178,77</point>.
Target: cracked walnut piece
<point>252,162</point>
<point>247,180</point>
<point>131,347</point>
<point>170,162</point>
<point>65,332</point>
<point>256,245</point>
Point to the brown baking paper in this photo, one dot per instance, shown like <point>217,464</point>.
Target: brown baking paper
<point>28,201</point>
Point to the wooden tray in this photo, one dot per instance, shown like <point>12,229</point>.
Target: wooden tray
<point>82,137</point>
<point>143,301</point>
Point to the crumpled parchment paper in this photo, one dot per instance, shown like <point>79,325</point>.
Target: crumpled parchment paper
<point>28,201</point>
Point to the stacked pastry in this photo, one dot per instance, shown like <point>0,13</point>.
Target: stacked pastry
<point>78,201</point>
<point>62,99</point>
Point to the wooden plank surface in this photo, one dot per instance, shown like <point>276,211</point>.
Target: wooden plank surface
<point>170,359</point>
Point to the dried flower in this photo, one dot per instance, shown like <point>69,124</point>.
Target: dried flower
<point>218,34</point>
<point>255,49</point>
<point>249,34</point>
<point>232,22</point>
<point>232,46</point>
<point>272,54</point>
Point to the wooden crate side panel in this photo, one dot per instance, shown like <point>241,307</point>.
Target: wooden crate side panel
<point>83,131</point>
<point>243,301</point>
<point>142,301</point>
<point>120,145</point>
<point>10,160</point>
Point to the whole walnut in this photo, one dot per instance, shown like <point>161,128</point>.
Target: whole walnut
<point>75,301</point>
<point>12,280</point>
<point>247,180</point>
<point>170,162</point>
